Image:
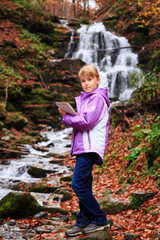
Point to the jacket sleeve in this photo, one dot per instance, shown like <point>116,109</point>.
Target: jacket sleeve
<point>87,119</point>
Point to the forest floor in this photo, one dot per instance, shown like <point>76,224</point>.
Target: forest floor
<point>141,222</point>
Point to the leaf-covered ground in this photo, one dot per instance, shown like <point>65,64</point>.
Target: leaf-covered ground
<point>144,220</point>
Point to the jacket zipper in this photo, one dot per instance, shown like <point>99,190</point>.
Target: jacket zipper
<point>89,140</point>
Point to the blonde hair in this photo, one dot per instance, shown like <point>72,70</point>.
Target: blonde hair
<point>88,70</point>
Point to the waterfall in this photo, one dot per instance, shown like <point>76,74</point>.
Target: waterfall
<point>111,54</point>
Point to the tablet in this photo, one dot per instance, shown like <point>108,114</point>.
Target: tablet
<point>65,106</point>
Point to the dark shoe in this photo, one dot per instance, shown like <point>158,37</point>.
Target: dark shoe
<point>93,228</point>
<point>74,231</point>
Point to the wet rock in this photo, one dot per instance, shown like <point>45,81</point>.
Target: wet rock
<point>50,145</point>
<point>56,161</point>
<point>66,179</point>
<point>19,205</point>
<point>38,172</point>
<point>56,198</point>
<point>42,188</point>
<point>68,145</point>
<point>40,215</point>
<point>66,196</point>
<point>42,149</point>
<point>63,218</point>
<point>57,210</point>
<point>7,233</point>
<point>22,170</point>
<point>15,233</point>
<point>45,228</point>
<point>11,222</point>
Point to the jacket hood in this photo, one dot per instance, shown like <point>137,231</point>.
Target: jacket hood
<point>102,91</point>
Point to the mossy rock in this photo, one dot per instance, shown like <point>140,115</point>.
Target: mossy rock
<point>37,172</point>
<point>109,206</point>
<point>66,196</point>
<point>19,205</point>
<point>57,210</point>
<point>42,189</point>
<point>34,187</point>
<point>16,120</point>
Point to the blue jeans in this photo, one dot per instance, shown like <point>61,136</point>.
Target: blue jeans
<point>90,211</point>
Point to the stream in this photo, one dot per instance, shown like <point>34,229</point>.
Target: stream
<point>16,170</point>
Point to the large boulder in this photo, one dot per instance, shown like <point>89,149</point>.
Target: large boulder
<point>19,205</point>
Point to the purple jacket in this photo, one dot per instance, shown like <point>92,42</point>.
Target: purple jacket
<point>91,126</point>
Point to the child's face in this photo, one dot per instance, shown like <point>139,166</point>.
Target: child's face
<point>89,83</point>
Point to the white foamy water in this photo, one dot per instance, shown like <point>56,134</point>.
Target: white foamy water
<point>111,54</point>
<point>16,171</point>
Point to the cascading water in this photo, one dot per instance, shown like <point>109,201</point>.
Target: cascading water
<point>16,170</point>
<point>111,54</point>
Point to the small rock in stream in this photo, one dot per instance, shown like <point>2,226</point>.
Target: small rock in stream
<point>40,215</point>
<point>45,228</point>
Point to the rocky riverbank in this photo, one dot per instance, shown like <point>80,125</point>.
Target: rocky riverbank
<point>57,212</point>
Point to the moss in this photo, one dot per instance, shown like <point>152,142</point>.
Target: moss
<point>18,205</point>
<point>34,187</point>
<point>84,21</point>
<point>16,120</point>
<point>111,207</point>
<point>42,189</point>
<point>135,202</point>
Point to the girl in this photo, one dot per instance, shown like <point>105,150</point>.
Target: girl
<point>89,141</point>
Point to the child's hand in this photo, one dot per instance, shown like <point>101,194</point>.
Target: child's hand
<point>61,112</point>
